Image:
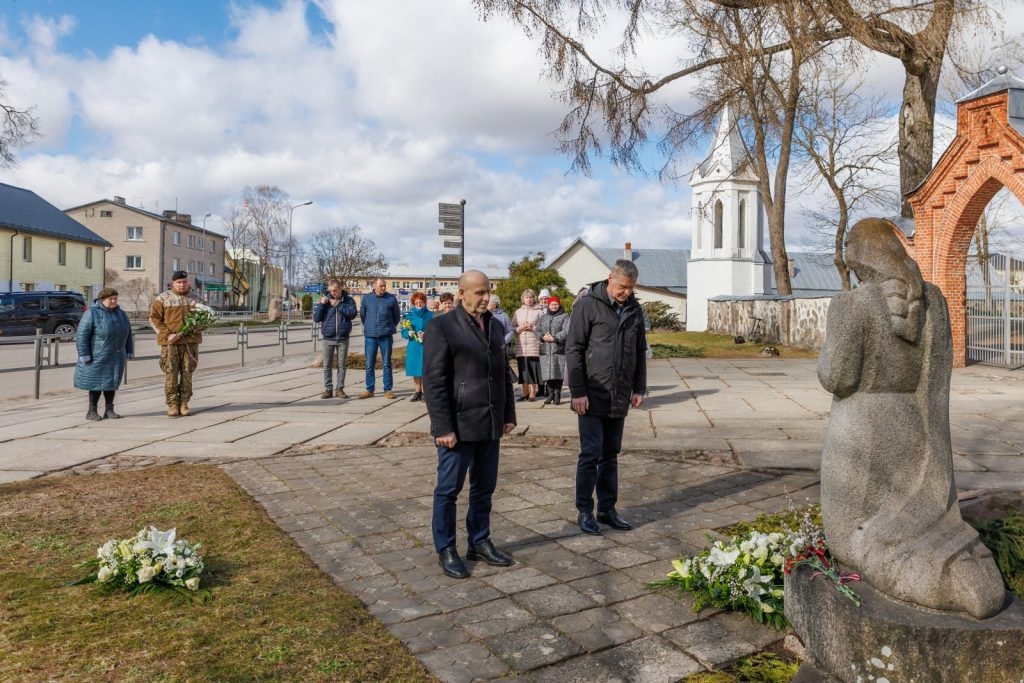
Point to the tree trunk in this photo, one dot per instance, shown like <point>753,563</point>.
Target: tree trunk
<point>917,127</point>
<point>780,258</point>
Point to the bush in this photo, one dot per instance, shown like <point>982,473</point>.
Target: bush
<point>661,317</point>
<point>307,303</point>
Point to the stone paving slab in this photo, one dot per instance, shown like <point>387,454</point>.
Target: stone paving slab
<point>722,441</point>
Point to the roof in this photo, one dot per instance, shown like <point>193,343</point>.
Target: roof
<point>813,273</point>
<point>727,151</point>
<point>664,268</point>
<point>154,216</point>
<point>1014,89</point>
<point>25,211</point>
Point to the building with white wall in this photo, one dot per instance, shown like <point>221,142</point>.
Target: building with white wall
<point>727,255</point>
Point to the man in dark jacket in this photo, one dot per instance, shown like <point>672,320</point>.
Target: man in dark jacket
<point>335,312</point>
<point>467,386</point>
<point>380,314</point>
<point>607,372</point>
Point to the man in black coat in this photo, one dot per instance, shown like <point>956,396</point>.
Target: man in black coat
<point>467,385</point>
<point>606,367</point>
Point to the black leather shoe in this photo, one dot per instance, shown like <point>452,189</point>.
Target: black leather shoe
<point>451,563</point>
<point>486,552</point>
<point>588,524</point>
<point>612,519</point>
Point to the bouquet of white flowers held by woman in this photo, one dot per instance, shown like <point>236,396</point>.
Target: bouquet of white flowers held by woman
<point>151,561</point>
<point>197,320</point>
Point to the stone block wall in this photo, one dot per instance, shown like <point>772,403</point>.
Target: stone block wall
<point>797,321</point>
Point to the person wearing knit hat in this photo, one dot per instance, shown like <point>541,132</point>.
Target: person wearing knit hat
<point>552,328</point>
<point>105,343</point>
<point>179,353</point>
<point>542,301</point>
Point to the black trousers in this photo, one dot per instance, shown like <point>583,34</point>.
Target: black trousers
<point>598,465</point>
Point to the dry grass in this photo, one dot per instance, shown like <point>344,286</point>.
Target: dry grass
<point>274,616</point>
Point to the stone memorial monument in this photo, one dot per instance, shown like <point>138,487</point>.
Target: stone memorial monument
<point>889,504</point>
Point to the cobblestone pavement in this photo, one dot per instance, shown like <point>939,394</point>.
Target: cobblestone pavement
<point>351,482</point>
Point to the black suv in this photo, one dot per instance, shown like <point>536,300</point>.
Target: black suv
<point>54,312</point>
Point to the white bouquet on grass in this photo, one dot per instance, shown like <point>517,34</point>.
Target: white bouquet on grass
<point>151,561</point>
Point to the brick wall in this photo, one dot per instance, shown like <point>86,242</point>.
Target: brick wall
<point>986,155</point>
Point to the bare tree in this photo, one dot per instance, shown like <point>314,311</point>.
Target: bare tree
<point>19,128</point>
<point>343,253</point>
<point>110,276</point>
<point>843,136</point>
<point>265,209</point>
<point>615,92</point>
<point>138,291</point>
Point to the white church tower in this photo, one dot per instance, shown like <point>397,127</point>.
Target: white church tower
<point>727,251</point>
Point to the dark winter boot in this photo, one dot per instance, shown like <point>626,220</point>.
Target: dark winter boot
<point>558,397</point>
<point>109,413</point>
<point>92,414</point>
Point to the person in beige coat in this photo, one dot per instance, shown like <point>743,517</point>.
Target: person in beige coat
<point>527,349</point>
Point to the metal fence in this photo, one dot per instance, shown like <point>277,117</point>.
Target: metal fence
<point>995,313</point>
<point>285,333</point>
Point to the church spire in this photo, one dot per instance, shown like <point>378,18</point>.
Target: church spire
<point>727,154</point>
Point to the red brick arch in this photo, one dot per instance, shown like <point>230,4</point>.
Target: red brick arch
<point>986,155</point>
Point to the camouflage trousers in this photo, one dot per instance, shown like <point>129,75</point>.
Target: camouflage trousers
<point>178,362</point>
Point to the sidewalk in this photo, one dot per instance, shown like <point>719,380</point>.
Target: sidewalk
<point>351,482</point>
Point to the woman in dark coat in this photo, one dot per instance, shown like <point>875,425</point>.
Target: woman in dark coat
<point>552,328</point>
<point>105,343</point>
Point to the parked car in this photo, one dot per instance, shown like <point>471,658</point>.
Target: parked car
<point>54,312</point>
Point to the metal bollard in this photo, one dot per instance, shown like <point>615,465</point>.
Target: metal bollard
<point>242,340</point>
<point>282,335</point>
<point>39,357</point>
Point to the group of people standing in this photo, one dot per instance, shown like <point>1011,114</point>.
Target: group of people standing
<point>458,357</point>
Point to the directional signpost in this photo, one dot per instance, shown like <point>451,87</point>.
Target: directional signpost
<point>453,218</point>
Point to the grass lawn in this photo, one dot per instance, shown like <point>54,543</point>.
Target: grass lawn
<point>708,345</point>
<point>273,615</point>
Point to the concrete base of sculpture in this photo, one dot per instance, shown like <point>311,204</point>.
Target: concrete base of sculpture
<point>884,641</point>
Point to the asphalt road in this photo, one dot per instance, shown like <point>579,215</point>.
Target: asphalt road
<point>219,349</point>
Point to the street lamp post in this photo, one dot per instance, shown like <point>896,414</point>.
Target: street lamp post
<point>288,268</point>
<point>206,295</point>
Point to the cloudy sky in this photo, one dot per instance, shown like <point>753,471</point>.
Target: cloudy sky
<point>376,111</point>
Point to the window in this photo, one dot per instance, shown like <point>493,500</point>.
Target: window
<point>31,303</point>
<point>59,288</point>
<point>133,233</point>
<point>62,253</point>
<point>191,266</point>
<point>740,241</point>
<point>213,246</point>
<point>176,264</point>
<point>213,268</point>
<point>202,268</point>
<point>176,238</point>
<point>89,213</point>
<point>718,224</point>
<point>63,303</point>
<point>26,249</point>
<point>133,263</point>
<point>28,286</point>
<point>88,257</point>
<point>106,214</point>
<point>202,244</point>
<point>191,241</point>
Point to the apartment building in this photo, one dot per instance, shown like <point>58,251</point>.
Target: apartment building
<point>147,247</point>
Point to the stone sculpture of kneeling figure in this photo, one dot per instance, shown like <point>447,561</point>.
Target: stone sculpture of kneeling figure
<point>888,498</point>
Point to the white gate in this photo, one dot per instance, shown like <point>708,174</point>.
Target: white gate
<point>995,311</point>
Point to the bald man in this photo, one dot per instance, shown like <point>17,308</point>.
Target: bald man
<point>467,386</point>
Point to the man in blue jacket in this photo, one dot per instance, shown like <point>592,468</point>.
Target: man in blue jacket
<point>380,314</point>
<point>467,385</point>
<point>335,313</point>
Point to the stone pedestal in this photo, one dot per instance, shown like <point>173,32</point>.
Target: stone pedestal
<point>887,642</point>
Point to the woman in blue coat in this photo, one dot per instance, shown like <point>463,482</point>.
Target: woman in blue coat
<point>105,343</point>
<point>413,323</point>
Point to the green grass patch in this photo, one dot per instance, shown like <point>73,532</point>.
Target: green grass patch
<point>1004,536</point>
<point>273,615</point>
<point>717,346</point>
<point>763,667</point>
<point>676,351</point>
